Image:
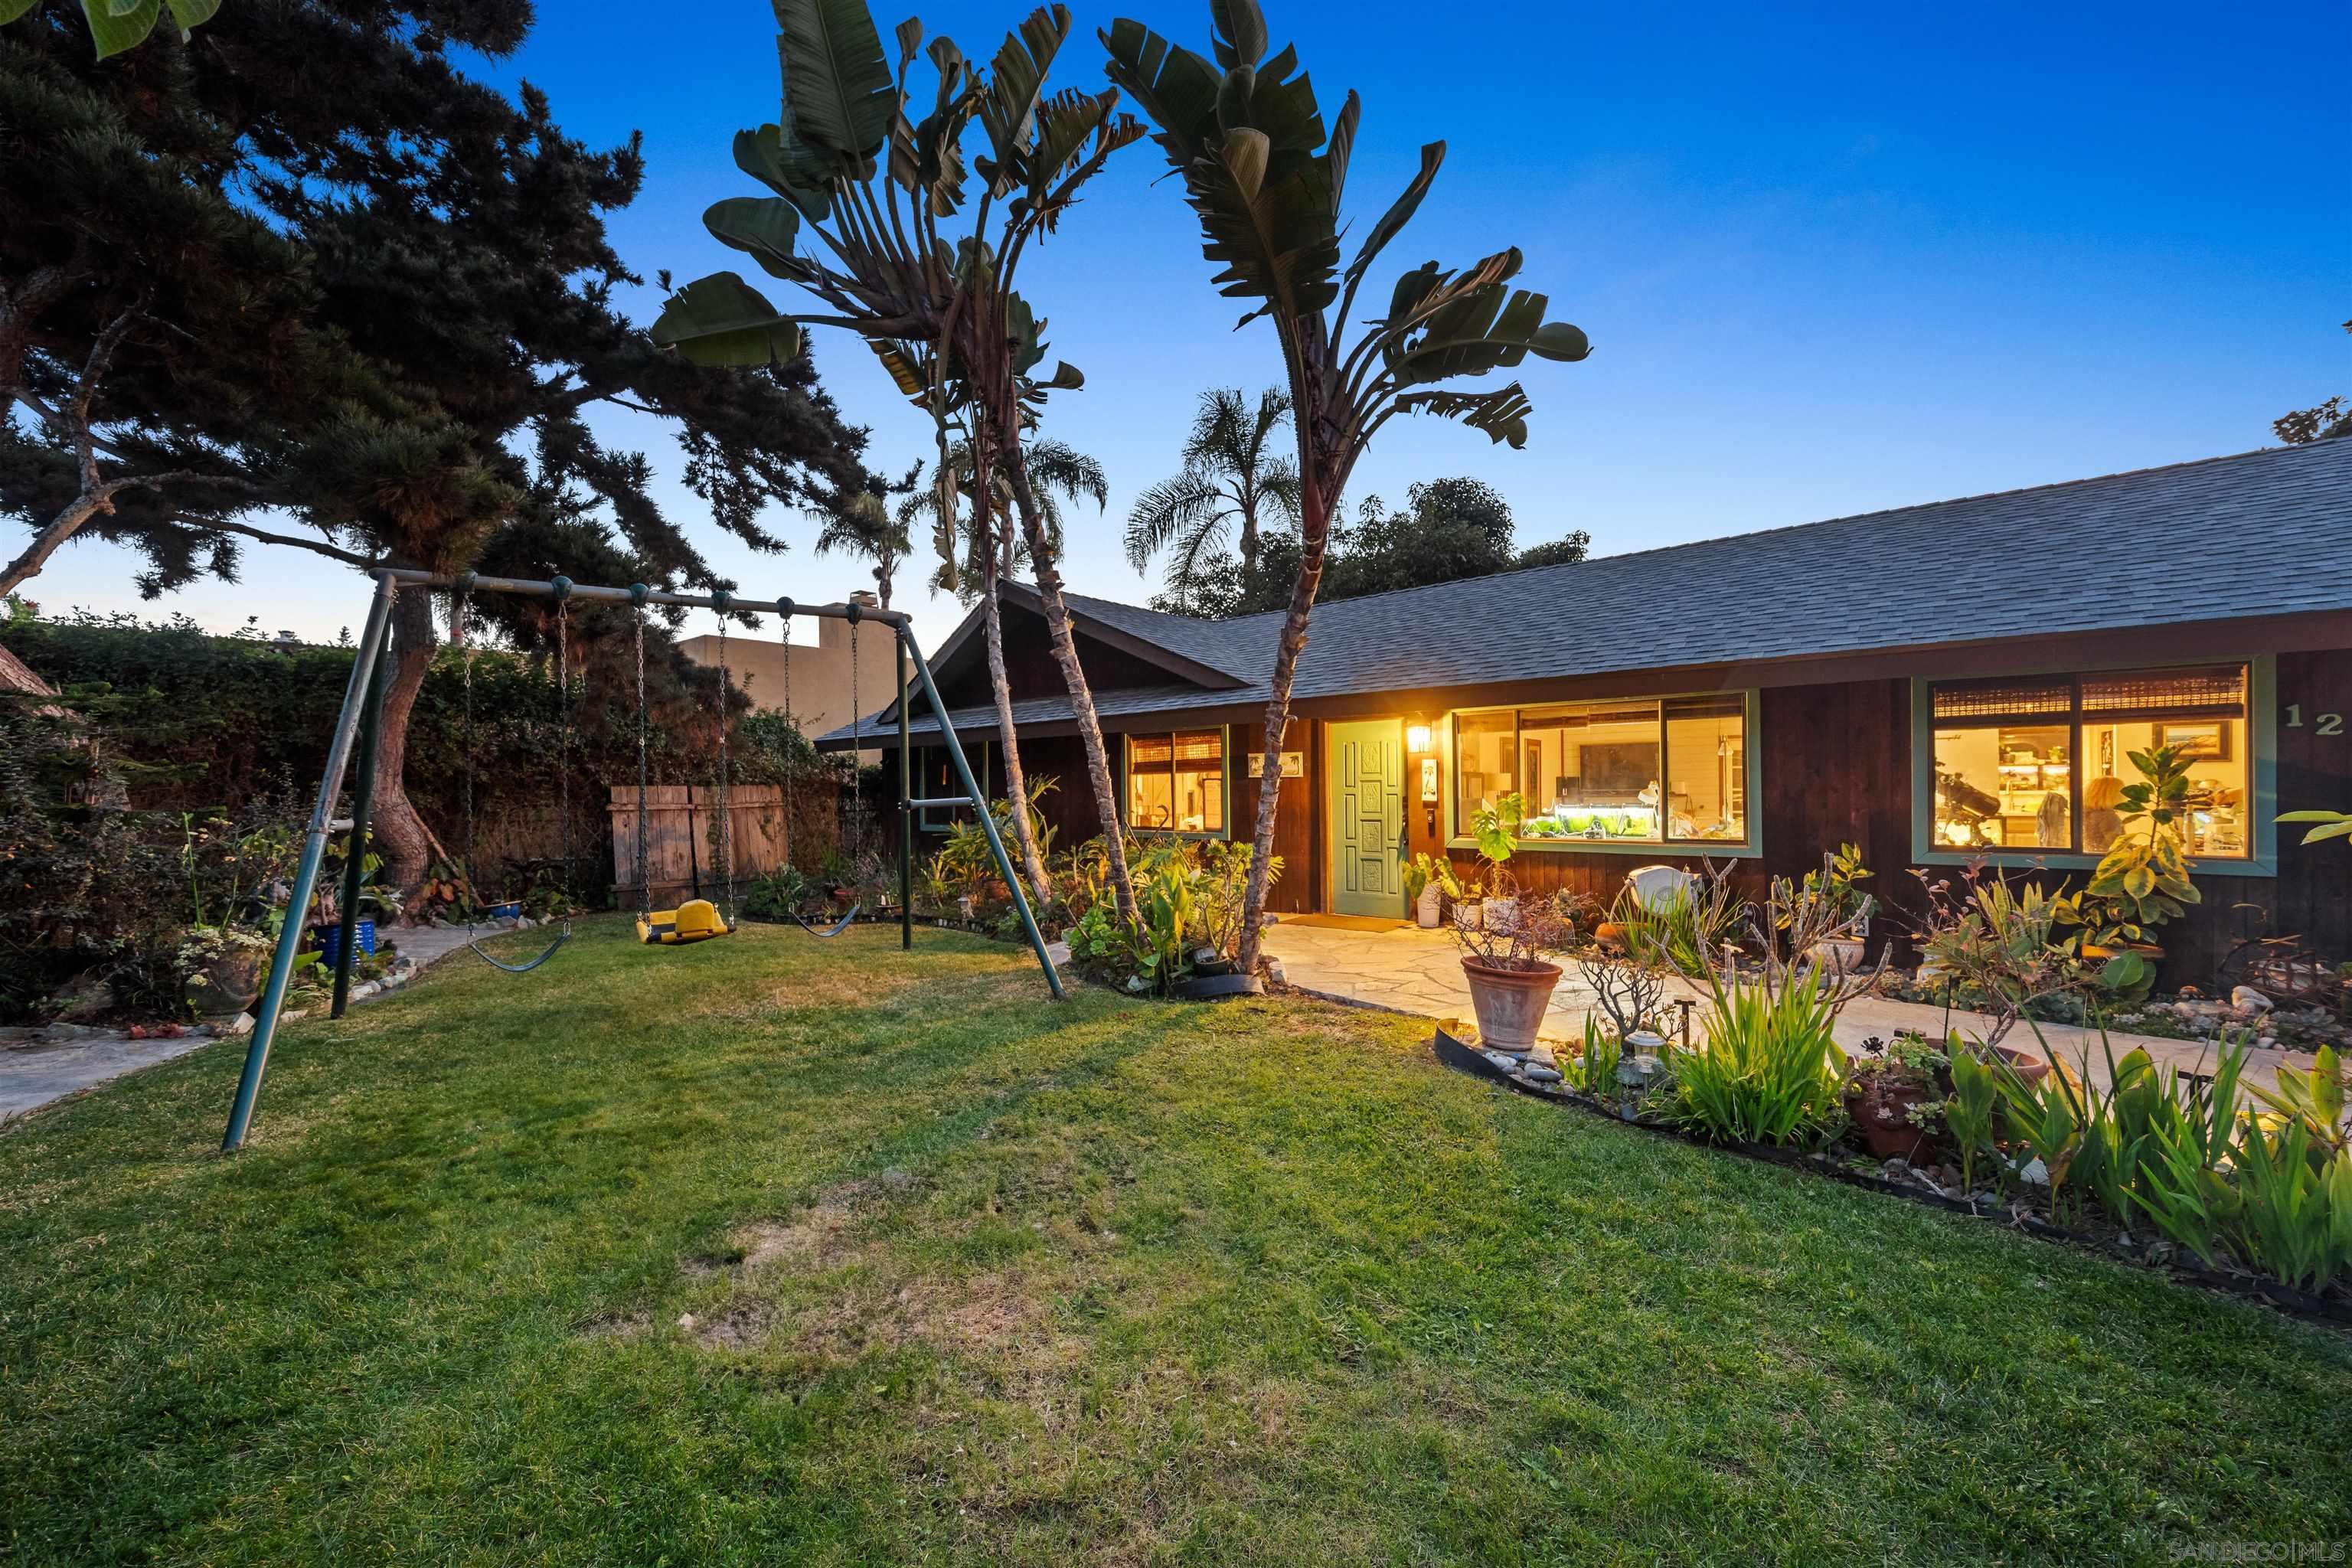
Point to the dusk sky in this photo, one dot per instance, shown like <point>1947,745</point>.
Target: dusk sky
<point>1830,260</point>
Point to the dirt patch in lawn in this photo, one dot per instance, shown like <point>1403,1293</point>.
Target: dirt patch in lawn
<point>815,1236</point>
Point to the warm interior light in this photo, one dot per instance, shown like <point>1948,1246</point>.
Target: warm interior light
<point>1416,738</point>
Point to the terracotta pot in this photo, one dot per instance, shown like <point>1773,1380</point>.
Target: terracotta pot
<point>2026,1065</point>
<point>1509,1002</point>
<point>1880,1110</point>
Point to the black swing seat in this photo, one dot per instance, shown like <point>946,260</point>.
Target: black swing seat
<point>696,920</point>
<point>529,964</point>
<point>836,928</point>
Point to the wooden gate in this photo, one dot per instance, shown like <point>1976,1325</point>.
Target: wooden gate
<point>681,828</point>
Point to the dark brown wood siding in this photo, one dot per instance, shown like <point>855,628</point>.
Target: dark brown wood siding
<point>1836,768</point>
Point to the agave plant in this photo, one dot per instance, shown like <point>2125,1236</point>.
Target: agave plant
<point>1267,178</point>
<point>867,183</point>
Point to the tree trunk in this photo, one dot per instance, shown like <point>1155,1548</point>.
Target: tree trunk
<point>1074,675</point>
<point>69,521</point>
<point>1278,722</point>
<point>400,833</point>
<point>1017,786</point>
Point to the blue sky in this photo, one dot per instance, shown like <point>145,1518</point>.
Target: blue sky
<point>1831,259</point>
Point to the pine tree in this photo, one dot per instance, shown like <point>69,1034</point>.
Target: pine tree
<point>384,312</point>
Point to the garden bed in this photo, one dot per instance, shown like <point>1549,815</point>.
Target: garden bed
<point>2333,1307</point>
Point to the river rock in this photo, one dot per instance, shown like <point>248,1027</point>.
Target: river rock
<point>2246,999</point>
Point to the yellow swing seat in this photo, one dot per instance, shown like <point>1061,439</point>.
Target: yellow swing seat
<point>696,920</point>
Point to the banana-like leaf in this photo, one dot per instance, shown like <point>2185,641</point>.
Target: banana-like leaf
<point>12,9</point>
<point>1502,414</point>
<point>904,363</point>
<point>837,83</point>
<point>1400,211</point>
<point>1481,329</point>
<point>722,321</point>
<point>1066,377</point>
<point>1177,87</point>
<point>1239,32</point>
<point>787,168</point>
<point>113,30</point>
<point>193,14</point>
<point>1245,153</point>
<point>1343,148</point>
<point>1026,332</point>
<point>762,227</point>
<point>1016,83</point>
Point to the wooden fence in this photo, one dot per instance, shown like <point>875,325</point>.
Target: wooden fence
<point>680,834</point>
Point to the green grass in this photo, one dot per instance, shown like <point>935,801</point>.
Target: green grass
<point>976,1277</point>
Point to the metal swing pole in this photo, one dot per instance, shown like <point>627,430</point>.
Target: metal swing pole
<point>906,811</point>
<point>362,801</point>
<point>314,849</point>
<point>980,809</point>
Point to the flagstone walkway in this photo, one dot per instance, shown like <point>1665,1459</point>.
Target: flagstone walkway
<point>1420,972</point>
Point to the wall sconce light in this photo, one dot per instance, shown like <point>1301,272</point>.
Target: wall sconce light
<point>1416,739</point>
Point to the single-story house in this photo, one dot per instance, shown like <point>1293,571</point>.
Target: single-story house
<point>1934,684</point>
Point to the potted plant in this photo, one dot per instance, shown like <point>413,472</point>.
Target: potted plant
<point>1894,1094</point>
<point>1496,827</point>
<point>2142,881</point>
<point>1843,908</point>
<point>1429,881</point>
<point>223,966</point>
<point>1510,980</point>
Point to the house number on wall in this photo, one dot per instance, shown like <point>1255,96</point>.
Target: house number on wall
<point>2322,723</point>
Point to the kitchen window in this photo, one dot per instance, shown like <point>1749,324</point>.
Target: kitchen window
<point>2038,763</point>
<point>1598,774</point>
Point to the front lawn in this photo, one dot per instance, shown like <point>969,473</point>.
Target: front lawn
<point>971,1276</point>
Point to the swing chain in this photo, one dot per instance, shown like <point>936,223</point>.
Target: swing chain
<point>857,758</point>
<point>644,888</point>
<point>564,739</point>
<point>792,763</point>
<point>460,602</point>
<point>724,846</point>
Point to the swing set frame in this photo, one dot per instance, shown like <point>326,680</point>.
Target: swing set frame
<point>360,720</point>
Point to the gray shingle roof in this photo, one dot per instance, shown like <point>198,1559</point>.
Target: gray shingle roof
<point>2258,533</point>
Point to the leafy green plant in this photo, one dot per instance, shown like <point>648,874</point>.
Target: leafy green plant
<point>1969,1110</point>
<point>2315,1097</point>
<point>2327,823</point>
<point>1496,826</point>
<point>1594,1069</point>
<point>2292,1216</point>
<point>1770,1071</point>
<point>2142,881</point>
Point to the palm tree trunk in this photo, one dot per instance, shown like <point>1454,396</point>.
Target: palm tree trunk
<point>1074,675</point>
<point>1016,784</point>
<point>1277,720</point>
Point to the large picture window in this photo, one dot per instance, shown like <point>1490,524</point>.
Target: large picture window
<point>1645,772</point>
<point>2041,763</point>
<point>1176,782</point>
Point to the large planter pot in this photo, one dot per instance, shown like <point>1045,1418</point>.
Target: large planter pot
<point>1881,1114</point>
<point>225,987</point>
<point>1429,907</point>
<point>1838,954</point>
<point>1509,1002</point>
<point>2027,1066</point>
<point>1469,916</point>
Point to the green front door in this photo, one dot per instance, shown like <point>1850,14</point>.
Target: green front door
<point>1367,814</point>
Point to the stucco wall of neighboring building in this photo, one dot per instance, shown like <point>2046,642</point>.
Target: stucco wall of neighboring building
<point>820,674</point>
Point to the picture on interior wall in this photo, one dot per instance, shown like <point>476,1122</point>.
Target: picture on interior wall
<point>2199,742</point>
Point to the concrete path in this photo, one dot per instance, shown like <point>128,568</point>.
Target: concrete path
<point>50,1064</point>
<point>1420,972</point>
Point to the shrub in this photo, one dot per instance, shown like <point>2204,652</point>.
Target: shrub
<point>1770,1071</point>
